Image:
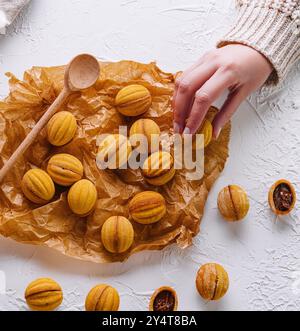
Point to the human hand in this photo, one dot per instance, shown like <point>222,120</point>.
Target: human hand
<point>237,68</point>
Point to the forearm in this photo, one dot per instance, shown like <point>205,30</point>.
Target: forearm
<point>272,27</point>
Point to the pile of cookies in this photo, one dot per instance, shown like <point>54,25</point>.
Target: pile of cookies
<point>63,169</point>
<point>148,207</point>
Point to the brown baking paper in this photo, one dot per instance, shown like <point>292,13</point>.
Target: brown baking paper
<point>53,224</point>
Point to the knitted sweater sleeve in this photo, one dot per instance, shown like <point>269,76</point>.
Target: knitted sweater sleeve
<point>272,27</point>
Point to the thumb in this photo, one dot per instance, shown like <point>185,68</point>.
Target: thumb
<point>231,104</point>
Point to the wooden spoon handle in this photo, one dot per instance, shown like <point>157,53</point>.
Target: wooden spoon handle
<point>34,132</point>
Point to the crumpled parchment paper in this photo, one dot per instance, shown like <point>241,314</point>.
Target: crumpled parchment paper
<point>53,224</point>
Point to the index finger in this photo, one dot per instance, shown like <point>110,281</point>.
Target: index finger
<point>186,91</point>
<point>205,96</point>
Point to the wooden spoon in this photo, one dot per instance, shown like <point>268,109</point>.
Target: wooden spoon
<point>82,72</point>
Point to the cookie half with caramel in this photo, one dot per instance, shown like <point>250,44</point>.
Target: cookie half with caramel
<point>282,197</point>
<point>164,299</point>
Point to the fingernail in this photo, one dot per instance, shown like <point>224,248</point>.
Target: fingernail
<point>218,133</point>
<point>186,131</point>
<point>176,127</point>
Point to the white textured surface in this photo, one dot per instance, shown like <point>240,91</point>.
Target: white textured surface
<point>260,255</point>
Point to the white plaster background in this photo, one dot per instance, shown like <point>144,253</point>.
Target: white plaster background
<point>260,255</point>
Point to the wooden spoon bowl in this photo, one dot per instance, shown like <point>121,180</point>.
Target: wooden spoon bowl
<point>82,72</point>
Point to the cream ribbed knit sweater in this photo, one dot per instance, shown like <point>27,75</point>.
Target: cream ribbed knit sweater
<point>272,27</point>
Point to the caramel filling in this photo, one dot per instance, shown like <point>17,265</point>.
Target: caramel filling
<point>164,301</point>
<point>283,197</point>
